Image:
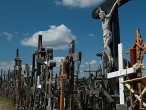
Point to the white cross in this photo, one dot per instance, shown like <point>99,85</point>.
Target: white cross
<point>120,73</point>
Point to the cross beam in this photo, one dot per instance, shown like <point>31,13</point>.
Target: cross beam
<point>121,73</point>
<point>106,6</point>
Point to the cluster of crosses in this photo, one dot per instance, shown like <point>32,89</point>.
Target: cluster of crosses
<point>39,91</point>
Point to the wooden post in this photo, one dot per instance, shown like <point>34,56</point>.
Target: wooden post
<point>39,54</point>
<point>18,69</point>
<point>139,57</point>
<point>62,87</point>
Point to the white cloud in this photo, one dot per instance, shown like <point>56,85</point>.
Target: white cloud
<point>78,3</point>
<point>58,3</point>
<point>87,63</point>
<point>82,66</point>
<point>6,65</point>
<point>85,67</point>
<point>57,37</point>
<point>25,34</point>
<point>7,35</point>
<point>93,62</point>
<point>56,69</point>
<point>91,35</point>
<point>58,60</point>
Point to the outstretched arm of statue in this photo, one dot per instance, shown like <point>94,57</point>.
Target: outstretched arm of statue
<point>117,3</point>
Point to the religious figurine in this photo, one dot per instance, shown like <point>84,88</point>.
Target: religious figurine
<point>107,34</point>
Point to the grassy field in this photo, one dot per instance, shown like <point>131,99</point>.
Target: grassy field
<point>7,103</point>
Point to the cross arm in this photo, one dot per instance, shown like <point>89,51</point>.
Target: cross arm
<point>121,73</point>
<point>117,3</point>
<point>132,80</point>
<point>106,6</point>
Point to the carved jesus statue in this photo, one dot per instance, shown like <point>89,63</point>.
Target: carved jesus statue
<point>107,34</point>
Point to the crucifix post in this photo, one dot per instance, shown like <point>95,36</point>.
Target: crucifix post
<point>121,78</point>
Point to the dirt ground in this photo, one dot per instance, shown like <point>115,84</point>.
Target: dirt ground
<point>3,107</point>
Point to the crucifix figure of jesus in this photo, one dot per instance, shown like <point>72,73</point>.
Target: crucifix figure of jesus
<point>106,26</point>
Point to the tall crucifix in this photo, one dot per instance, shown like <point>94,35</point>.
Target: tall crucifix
<point>108,13</point>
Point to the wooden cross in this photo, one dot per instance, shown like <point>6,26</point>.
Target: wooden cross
<point>121,73</point>
<point>62,86</point>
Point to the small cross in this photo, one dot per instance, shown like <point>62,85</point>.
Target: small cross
<point>121,73</point>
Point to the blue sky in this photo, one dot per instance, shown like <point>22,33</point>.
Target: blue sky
<point>59,21</point>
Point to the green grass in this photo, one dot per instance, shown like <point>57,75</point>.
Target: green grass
<point>7,102</point>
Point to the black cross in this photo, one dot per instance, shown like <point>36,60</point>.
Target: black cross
<point>106,6</point>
